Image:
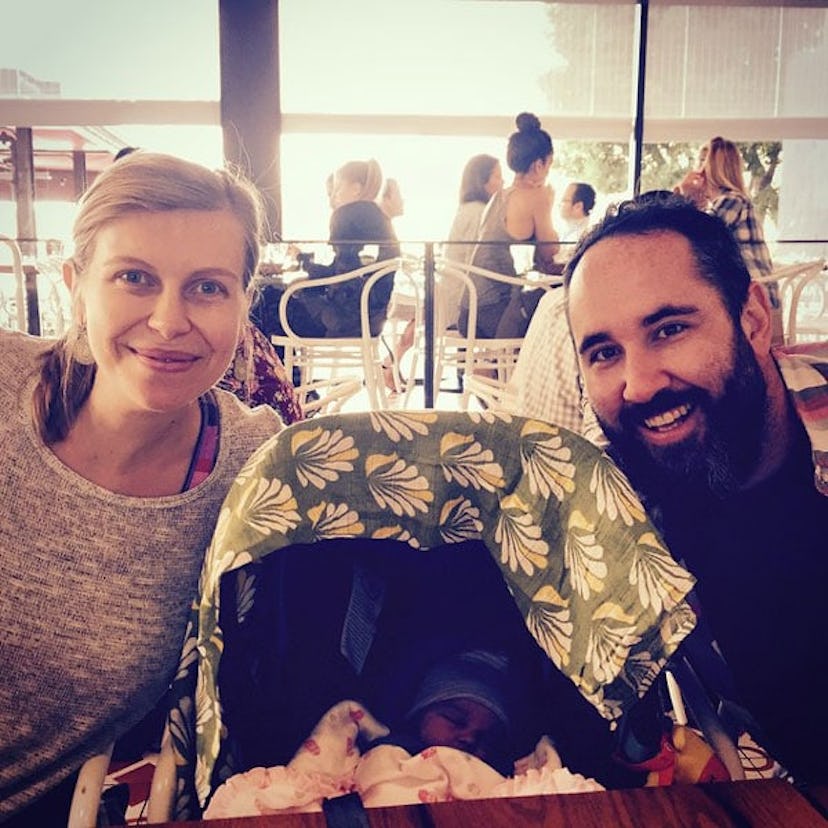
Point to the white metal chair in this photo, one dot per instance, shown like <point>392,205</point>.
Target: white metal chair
<point>332,370</point>
<point>86,799</point>
<point>792,281</point>
<point>487,364</point>
<point>13,307</point>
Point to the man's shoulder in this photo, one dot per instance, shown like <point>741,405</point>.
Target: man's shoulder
<point>551,307</point>
<point>547,333</point>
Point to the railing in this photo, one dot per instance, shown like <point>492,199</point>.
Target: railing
<point>37,301</point>
<point>40,303</point>
<point>13,305</point>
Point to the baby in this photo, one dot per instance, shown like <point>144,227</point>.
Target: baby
<point>464,702</point>
<point>454,742</point>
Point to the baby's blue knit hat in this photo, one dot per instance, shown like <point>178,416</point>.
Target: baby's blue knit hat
<point>478,675</point>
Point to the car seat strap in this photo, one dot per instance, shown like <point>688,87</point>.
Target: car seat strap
<point>360,625</point>
<point>345,812</point>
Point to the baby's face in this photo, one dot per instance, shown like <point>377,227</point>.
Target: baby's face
<point>463,724</point>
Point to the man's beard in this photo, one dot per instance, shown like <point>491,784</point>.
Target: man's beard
<point>718,462</point>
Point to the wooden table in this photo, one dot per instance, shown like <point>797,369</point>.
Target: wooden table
<point>722,805</point>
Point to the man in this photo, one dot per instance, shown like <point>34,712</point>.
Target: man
<point>725,440</point>
<point>576,205</point>
<point>545,383</point>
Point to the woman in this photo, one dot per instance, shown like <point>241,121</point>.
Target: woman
<point>257,376</point>
<point>482,178</point>
<point>117,456</point>
<point>519,214</point>
<point>392,203</point>
<point>718,186</point>
<point>357,220</point>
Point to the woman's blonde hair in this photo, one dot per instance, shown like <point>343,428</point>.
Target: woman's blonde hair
<point>367,174</point>
<point>142,182</point>
<point>723,165</point>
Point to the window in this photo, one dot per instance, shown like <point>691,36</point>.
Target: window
<point>86,49</point>
<point>754,74</point>
<point>440,57</point>
<point>378,76</point>
<point>740,62</point>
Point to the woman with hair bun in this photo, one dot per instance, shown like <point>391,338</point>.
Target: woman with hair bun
<point>518,214</point>
<point>117,455</point>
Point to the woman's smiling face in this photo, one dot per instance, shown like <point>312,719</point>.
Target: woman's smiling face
<point>163,302</point>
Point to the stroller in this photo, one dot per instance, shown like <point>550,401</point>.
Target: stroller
<point>339,531</point>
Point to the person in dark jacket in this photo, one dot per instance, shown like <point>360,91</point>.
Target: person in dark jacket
<point>357,220</point>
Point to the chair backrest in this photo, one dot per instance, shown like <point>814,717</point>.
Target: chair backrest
<point>587,571</point>
<point>791,281</point>
<point>14,318</point>
<point>473,355</point>
<point>333,369</point>
<point>403,333</point>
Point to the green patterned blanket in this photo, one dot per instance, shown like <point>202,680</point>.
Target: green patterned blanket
<point>597,588</point>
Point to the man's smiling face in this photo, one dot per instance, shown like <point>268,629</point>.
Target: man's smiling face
<point>674,382</point>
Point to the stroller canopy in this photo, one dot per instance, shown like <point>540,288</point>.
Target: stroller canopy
<point>588,572</point>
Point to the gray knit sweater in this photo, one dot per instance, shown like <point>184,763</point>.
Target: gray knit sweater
<point>94,587</point>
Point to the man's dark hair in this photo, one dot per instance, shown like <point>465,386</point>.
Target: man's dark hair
<point>716,251</point>
<point>584,193</point>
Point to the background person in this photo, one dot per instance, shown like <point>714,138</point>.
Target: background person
<point>546,383</point>
<point>518,214</point>
<point>117,456</point>
<point>391,203</point>
<point>357,220</point>
<point>481,179</point>
<point>718,186</point>
<point>257,376</point>
<point>576,206</point>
